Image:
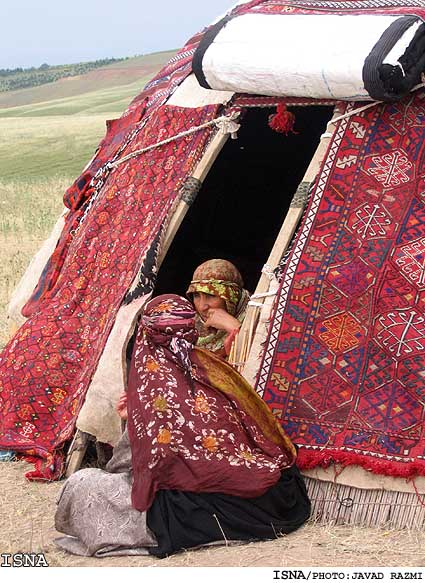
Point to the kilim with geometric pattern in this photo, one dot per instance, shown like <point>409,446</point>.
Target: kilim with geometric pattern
<point>344,365</point>
<point>46,368</point>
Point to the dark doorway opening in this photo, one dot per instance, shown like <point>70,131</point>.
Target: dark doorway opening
<point>244,199</point>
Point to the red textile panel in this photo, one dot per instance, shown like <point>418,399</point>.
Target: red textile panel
<point>46,368</point>
<point>344,363</point>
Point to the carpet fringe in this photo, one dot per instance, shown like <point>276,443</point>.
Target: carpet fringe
<point>339,504</point>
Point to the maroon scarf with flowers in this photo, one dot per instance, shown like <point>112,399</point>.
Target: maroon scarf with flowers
<point>194,423</point>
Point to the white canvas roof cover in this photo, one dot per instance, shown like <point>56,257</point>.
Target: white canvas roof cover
<point>317,56</point>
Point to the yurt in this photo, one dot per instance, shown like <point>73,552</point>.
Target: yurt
<point>287,137</point>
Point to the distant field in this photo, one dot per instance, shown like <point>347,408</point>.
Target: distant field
<point>108,100</point>
<point>45,147</point>
<point>18,78</point>
<point>48,134</point>
<point>135,71</point>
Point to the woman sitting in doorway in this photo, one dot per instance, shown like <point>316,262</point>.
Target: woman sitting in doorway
<point>208,460</point>
<point>220,301</point>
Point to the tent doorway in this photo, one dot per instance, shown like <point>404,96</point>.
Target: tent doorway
<point>244,199</point>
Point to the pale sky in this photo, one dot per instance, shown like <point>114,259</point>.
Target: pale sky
<point>33,32</point>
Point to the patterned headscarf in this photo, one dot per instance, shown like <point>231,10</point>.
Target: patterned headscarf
<point>220,278</point>
<point>194,423</point>
<point>169,321</point>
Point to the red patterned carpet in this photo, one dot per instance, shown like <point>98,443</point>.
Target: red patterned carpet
<point>46,368</point>
<point>344,366</point>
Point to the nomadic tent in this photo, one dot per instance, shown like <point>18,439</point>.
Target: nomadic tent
<point>319,200</point>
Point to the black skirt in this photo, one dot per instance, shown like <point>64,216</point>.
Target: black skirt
<point>181,520</point>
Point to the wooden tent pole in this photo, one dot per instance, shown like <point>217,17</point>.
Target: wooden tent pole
<point>198,176</point>
<point>284,237</point>
<point>81,439</point>
<point>76,452</point>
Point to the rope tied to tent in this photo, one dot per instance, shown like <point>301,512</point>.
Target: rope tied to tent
<point>364,108</point>
<point>268,270</point>
<point>225,123</point>
<point>261,296</point>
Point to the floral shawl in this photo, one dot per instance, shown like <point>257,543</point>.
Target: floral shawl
<point>194,423</point>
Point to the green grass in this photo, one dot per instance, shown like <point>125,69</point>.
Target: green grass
<point>46,147</point>
<point>58,136</point>
<point>28,211</point>
<point>29,208</point>
<point>112,100</point>
<point>48,134</point>
<point>137,70</point>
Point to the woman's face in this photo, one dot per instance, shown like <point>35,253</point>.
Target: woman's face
<point>204,302</point>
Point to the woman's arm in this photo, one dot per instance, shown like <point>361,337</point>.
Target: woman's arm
<point>221,320</point>
<point>121,406</point>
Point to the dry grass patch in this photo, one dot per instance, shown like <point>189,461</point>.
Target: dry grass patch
<point>40,148</point>
<point>27,519</point>
<point>28,210</point>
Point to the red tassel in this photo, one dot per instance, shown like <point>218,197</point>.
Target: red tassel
<point>283,120</point>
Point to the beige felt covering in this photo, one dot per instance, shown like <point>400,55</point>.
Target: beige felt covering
<point>191,94</point>
<point>359,478</point>
<point>98,416</point>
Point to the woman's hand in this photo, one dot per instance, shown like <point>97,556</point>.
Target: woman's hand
<point>221,320</point>
<point>121,407</point>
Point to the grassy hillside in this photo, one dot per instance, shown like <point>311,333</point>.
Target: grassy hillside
<point>137,70</point>
<point>13,79</point>
<point>49,133</point>
<point>110,99</point>
<point>39,148</point>
<point>56,136</point>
